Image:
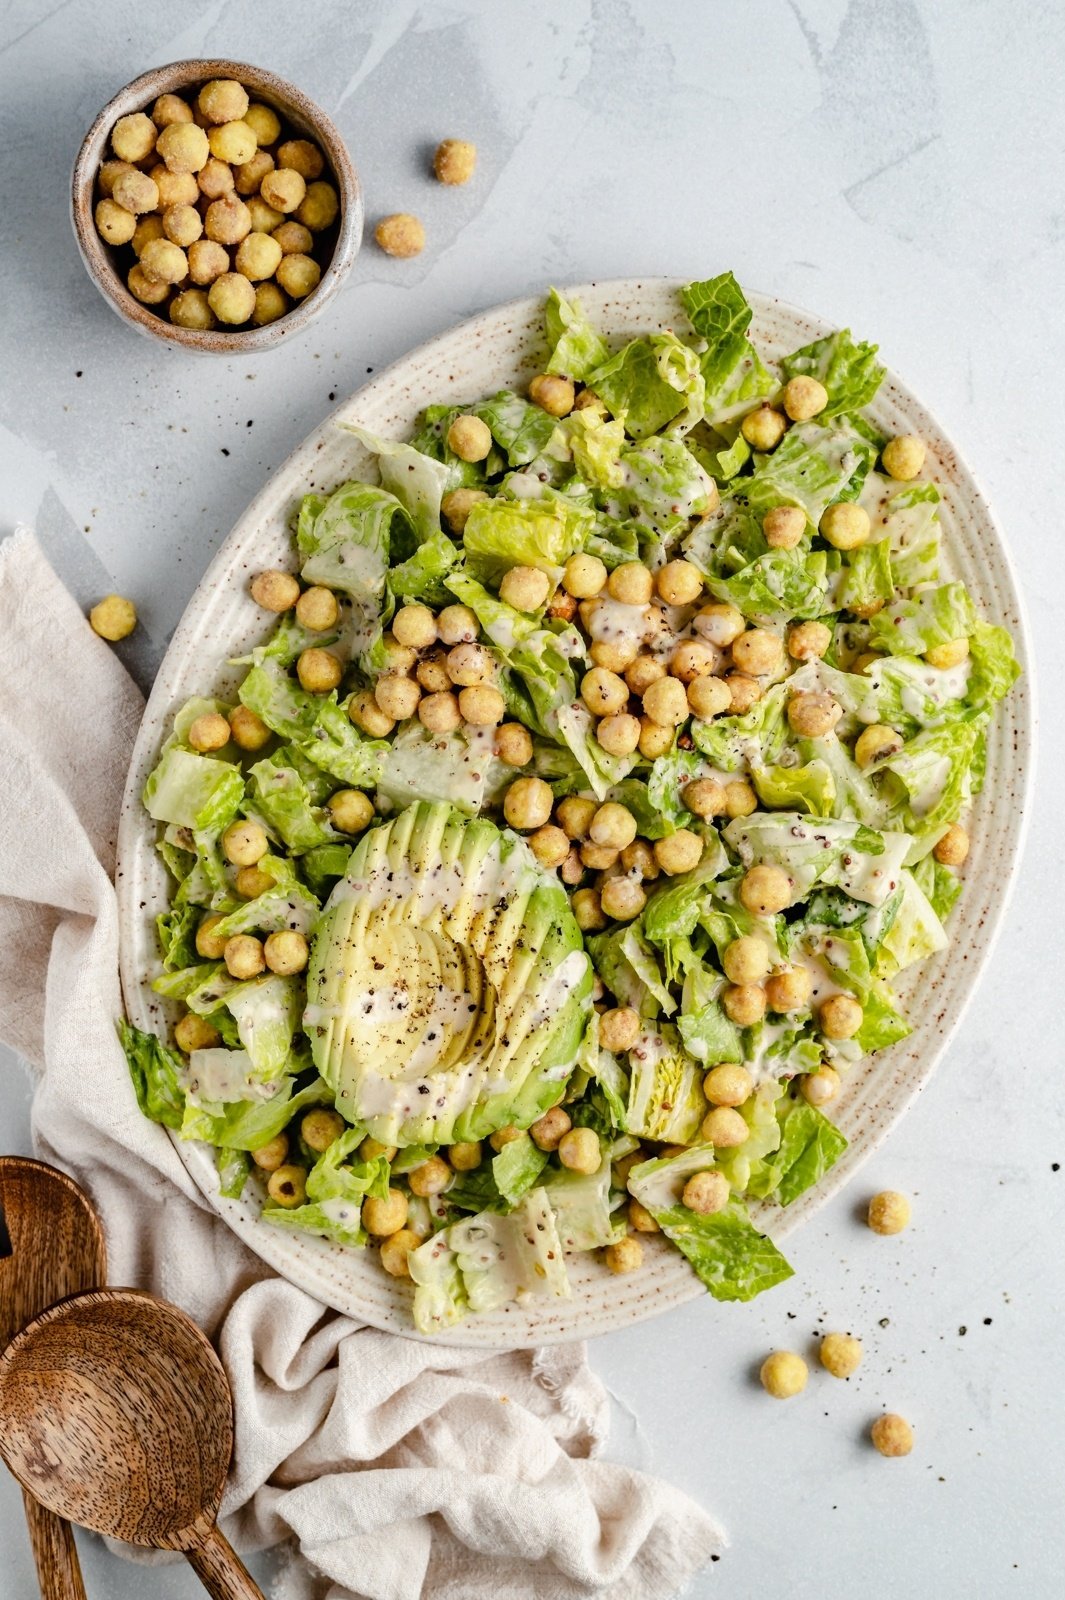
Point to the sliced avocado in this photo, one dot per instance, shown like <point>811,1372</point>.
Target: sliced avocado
<point>448,989</point>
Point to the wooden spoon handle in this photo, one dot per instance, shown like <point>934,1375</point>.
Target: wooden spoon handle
<point>52,1541</point>
<point>221,1571</point>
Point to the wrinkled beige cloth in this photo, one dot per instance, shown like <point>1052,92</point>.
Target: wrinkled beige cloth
<point>401,1471</point>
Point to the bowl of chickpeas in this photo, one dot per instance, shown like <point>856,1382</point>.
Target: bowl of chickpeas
<point>215,206</point>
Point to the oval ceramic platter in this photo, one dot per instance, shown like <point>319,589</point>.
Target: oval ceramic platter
<point>501,347</point>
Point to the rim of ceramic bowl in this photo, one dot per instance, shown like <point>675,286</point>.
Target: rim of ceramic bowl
<point>305,116</point>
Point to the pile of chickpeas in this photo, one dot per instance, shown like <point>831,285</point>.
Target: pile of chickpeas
<point>227,216</point>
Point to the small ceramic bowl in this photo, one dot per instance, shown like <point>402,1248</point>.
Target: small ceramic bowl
<point>336,248</point>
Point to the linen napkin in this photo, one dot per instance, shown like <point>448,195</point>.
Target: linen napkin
<point>400,1470</point>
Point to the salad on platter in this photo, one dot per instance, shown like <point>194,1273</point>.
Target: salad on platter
<point>606,763</point>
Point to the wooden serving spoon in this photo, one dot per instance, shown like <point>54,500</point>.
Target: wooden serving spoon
<point>56,1249</point>
<point>115,1412</point>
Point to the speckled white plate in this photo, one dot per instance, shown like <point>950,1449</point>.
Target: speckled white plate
<point>504,347</point>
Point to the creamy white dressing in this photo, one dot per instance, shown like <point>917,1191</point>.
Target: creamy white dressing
<point>613,622</point>
<point>224,1076</point>
<point>873,878</point>
<point>525,486</point>
<point>552,995</point>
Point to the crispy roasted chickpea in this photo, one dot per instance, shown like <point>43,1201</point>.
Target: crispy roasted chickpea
<point>612,824</point>
<point>706,1192</point>
<point>468,664</point>
<point>301,156</point>
<point>432,1177</point>
<point>283,189</point>
<point>758,652</point>
<point>783,1374</point>
<point>148,228</point>
<point>367,715</point>
<point>666,702</point>
<point>234,142</point>
<point>414,625</point>
<point>952,847</point>
<point>319,671</point>
<point>270,304</point>
<point>552,394</point>
<point>579,1150</point>
<point>192,309</point>
<point>867,659</point>
<point>840,1016</point>
<point>232,298</point>
<point>845,525</point>
<point>464,1157</point>
<point>598,857</point>
<point>258,256</point>
<point>892,1435</point>
<point>383,1217</point>
<point>296,240</point>
<point>273,1154</point>
<point>263,218</point>
<point>572,869</point>
<point>228,220</point>
<point>397,235</point>
<point>439,711</point>
<point>133,137</point>
<point>371,1148</point>
<point>808,641</point>
<point>149,291</point>
<point>396,1250</point>
<point>655,740</point>
<point>903,457</point>
<point>114,223</point>
<point>642,672</point>
<point>165,261</point>
<point>274,590</point>
<point>319,210</point>
<point>514,744</point>
<point>209,732</point>
<point>454,161</point>
<point>264,122</point>
<point>951,654</point>
<point>740,798</point>
<point>136,191</point>
<point>709,697</point>
<point>584,577</point>
<point>679,583</point>
<point>321,1127</point>
<point>694,658</point>
<point>765,889</point>
<point>719,623</point>
<point>549,845</point>
<point>457,505</point>
<point>727,1085</point>
<point>624,1165</point>
<point>183,147</point>
<point>213,180</point>
<point>317,608</point>
<point>679,852</point>
<point>746,960</point>
<point>251,882</point>
<point>631,583</point>
<point>525,588</point>
<point>841,1354</point>
<point>207,261</point>
<point>399,658</point>
<point>889,1212</point>
<point>619,734</point>
<point>470,439</point>
<point>744,692</point>
<point>398,697</point>
<point>249,175</point>
<point>287,952</point>
<point>640,1219</point>
<point>170,108</point>
<point>789,990</point>
<point>812,713</point>
<point>527,804</point>
<point>182,225</point>
<point>431,671</point>
<point>588,910</point>
<point>818,1088</point>
<point>619,1029</point>
<point>287,1187</point>
<point>744,1004</point>
<point>603,692</point>
<point>504,1136</point>
<point>299,276</point>
<point>550,1129</point>
<point>243,956</point>
<point>244,843</point>
<point>804,398</point>
<point>109,174</point>
<point>575,815</point>
<point>482,706</point>
<point>194,1032</point>
<point>616,655</point>
<point>622,898</point>
<point>876,743</point>
<point>588,400</point>
<point>704,797</point>
<point>457,624</point>
<point>175,188</point>
<point>764,427</point>
<point>624,1255</point>
<point>724,1128</point>
<point>208,944</point>
<point>222,100</point>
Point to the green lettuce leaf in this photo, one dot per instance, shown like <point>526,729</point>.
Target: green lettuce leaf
<point>666,1099</point>
<point>733,372</point>
<point>519,429</point>
<point>652,382</point>
<point>811,467</point>
<point>414,479</point>
<point>502,533</point>
<point>517,1168</point>
<point>933,617</point>
<point>157,1075</point>
<point>193,791</point>
<point>809,1145</point>
<point>576,348</point>
<point>279,796</point>
<point>849,371</point>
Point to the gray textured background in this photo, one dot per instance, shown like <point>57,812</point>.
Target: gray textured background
<point>891,164</point>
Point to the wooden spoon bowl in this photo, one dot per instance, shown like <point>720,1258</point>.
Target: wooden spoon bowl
<point>115,1412</point>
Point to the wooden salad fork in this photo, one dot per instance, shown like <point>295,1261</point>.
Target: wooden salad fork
<point>51,1246</point>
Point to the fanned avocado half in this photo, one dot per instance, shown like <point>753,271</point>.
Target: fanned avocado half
<point>448,990</point>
